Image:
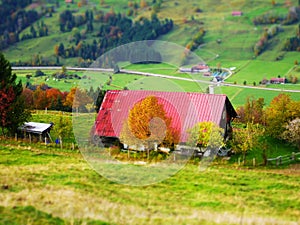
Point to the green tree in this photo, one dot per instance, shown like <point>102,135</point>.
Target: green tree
<point>246,139</point>
<point>206,135</point>
<point>13,112</point>
<point>278,115</point>
<point>63,128</point>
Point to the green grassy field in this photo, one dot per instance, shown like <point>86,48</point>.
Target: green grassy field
<point>42,184</point>
<point>237,37</point>
<point>238,96</point>
<point>94,79</point>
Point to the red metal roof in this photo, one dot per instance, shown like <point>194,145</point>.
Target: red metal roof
<point>279,79</point>
<point>185,109</point>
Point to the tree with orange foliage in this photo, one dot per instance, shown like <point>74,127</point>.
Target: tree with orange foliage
<point>54,96</point>
<point>56,50</point>
<point>77,98</point>
<point>148,124</point>
<point>252,111</point>
<point>28,97</point>
<point>143,4</point>
<point>40,99</point>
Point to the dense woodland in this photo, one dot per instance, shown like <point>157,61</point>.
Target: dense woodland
<point>109,29</point>
<point>14,18</point>
<point>115,30</point>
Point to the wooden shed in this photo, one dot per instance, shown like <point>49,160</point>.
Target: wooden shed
<point>34,129</point>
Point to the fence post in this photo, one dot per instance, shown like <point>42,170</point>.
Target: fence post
<point>16,136</point>
<point>293,156</point>
<point>254,162</point>
<point>277,161</point>
<point>60,141</point>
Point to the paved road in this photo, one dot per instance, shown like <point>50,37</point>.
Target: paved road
<point>154,75</point>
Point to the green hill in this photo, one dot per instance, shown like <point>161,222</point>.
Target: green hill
<point>228,41</point>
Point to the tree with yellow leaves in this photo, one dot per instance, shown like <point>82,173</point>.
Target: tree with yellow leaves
<point>147,124</point>
<point>206,135</point>
<point>143,4</point>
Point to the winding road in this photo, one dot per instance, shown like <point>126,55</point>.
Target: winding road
<point>154,75</point>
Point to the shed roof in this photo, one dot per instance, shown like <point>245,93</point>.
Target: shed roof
<point>185,109</point>
<point>36,128</point>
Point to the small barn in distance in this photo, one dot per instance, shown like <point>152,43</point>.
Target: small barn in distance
<point>237,13</point>
<point>277,80</point>
<point>185,109</point>
<point>39,130</point>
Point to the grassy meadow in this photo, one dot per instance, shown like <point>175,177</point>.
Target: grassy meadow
<point>228,42</point>
<point>49,185</point>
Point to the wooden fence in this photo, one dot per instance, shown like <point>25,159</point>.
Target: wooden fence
<point>280,160</point>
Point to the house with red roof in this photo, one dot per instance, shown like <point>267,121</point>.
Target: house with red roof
<point>184,108</point>
<point>277,80</point>
<point>237,13</point>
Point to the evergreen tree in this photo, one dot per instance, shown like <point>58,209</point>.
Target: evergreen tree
<point>12,105</point>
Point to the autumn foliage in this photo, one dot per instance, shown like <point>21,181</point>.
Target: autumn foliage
<point>279,120</point>
<point>147,124</point>
<point>12,106</point>
<point>206,135</point>
<point>51,98</point>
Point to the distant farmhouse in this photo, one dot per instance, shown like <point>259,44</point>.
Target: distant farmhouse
<point>237,13</point>
<point>185,109</point>
<point>277,80</point>
<point>200,68</point>
<point>274,80</point>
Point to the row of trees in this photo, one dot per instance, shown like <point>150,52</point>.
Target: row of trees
<point>277,120</point>
<point>264,40</point>
<point>10,20</point>
<point>13,20</point>
<point>40,31</point>
<point>117,30</point>
<point>53,99</point>
<point>293,16</point>
<point>197,40</point>
<point>67,20</point>
<point>293,43</point>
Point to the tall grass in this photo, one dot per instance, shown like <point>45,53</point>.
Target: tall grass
<point>59,185</point>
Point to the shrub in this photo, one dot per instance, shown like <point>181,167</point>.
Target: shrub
<point>39,73</point>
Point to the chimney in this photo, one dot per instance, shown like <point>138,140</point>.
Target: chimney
<point>211,89</point>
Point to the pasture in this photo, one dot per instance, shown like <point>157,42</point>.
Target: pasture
<point>46,184</point>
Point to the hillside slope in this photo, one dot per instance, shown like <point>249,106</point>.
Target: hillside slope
<point>228,41</point>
